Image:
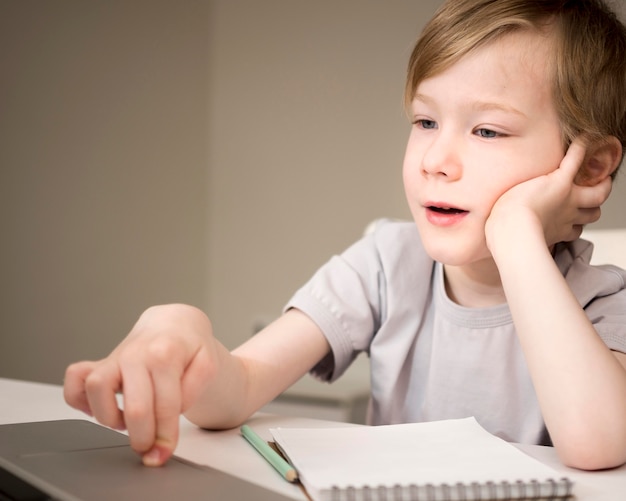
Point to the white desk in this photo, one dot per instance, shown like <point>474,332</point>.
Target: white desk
<point>228,451</point>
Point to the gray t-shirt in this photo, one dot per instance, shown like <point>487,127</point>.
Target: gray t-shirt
<point>431,358</point>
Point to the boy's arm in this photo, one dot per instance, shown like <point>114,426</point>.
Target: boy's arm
<point>170,363</point>
<point>263,367</point>
<point>580,383</point>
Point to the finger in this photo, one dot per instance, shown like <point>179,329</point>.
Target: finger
<point>588,197</point>
<point>574,158</point>
<point>167,408</point>
<point>166,369</point>
<point>138,404</point>
<point>74,385</point>
<point>101,386</point>
<point>587,216</point>
<point>175,393</point>
<point>195,378</point>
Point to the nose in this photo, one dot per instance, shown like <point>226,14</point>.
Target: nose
<point>442,157</point>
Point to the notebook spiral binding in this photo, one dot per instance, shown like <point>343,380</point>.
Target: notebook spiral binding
<point>500,491</point>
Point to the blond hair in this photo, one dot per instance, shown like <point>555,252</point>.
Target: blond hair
<point>589,55</point>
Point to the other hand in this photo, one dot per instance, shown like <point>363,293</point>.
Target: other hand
<point>554,203</point>
<point>160,368</point>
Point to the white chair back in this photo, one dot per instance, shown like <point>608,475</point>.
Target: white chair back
<point>609,245</point>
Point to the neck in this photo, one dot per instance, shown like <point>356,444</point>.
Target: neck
<point>476,285</point>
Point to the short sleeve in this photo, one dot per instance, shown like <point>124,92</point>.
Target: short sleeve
<point>344,299</point>
<point>380,280</point>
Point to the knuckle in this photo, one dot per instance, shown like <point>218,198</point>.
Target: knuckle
<point>75,373</point>
<point>101,382</point>
<point>72,371</point>
<point>155,352</point>
<point>162,351</point>
<point>95,382</point>
<point>136,411</point>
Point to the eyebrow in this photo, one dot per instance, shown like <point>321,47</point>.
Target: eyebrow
<point>478,105</point>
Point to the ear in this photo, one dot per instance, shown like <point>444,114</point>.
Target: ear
<point>602,159</point>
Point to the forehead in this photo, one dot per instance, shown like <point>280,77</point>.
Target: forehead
<point>517,64</point>
<point>540,44</point>
<point>529,51</point>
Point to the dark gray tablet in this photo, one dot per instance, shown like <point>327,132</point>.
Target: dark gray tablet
<point>80,460</point>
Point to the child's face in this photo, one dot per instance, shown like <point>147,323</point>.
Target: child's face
<point>481,127</point>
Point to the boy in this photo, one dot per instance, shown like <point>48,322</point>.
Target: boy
<point>519,123</point>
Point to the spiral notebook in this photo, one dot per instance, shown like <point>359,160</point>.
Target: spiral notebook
<point>443,460</point>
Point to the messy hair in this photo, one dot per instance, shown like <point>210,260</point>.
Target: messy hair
<point>588,61</point>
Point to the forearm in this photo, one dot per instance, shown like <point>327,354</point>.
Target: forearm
<point>580,385</point>
<point>259,370</point>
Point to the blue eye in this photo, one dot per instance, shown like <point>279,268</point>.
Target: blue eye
<point>426,124</point>
<point>486,133</point>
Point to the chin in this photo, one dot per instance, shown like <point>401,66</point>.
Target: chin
<point>452,248</point>
<point>446,255</point>
<point>454,252</point>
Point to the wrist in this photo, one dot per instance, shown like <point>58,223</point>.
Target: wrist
<point>514,235</point>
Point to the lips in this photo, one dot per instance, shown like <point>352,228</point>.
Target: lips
<point>442,214</point>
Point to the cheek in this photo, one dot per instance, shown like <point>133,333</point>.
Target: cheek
<point>408,176</point>
<point>493,184</point>
<point>544,156</point>
<point>497,185</point>
<point>412,164</point>
<point>410,171</point>
<point>534,164</point>
<point>413,184</point>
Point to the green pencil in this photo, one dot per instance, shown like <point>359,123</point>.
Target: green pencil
<point>272,457</point>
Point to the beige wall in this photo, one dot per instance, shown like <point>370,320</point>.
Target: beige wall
<point>212,152</point>
<point>103,173</point>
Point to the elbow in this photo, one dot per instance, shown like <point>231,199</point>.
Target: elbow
<point>585,460</point>
<point>593,451</point>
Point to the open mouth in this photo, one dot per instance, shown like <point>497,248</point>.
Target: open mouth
<point>445,210</point>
